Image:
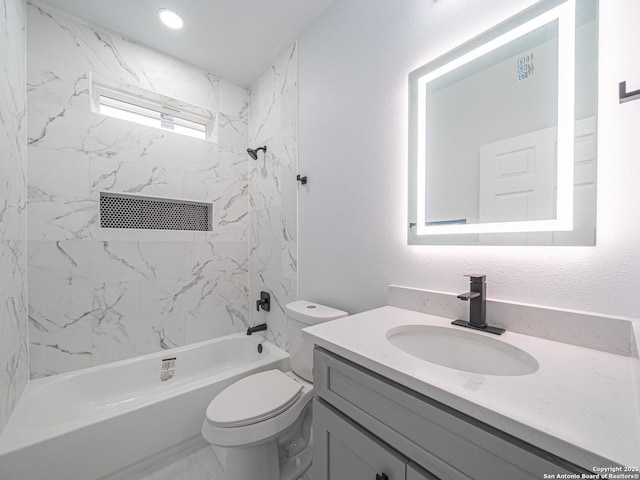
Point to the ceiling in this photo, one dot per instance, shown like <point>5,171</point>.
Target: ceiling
<point>234,39</point>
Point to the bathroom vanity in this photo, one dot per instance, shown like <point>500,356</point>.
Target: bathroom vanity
<point>367,425</point>
<point>381,413</point>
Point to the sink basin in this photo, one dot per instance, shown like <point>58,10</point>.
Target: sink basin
<point>462,350</point>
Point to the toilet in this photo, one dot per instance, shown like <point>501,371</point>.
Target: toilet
<point>263,421</point>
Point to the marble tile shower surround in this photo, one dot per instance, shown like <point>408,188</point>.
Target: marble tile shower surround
<point>100,295</point>
<point>273,255</point>
<point>14,370</point>
<point>272,237</point>
<point>591,330</point>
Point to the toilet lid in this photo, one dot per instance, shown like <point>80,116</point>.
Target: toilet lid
<point>253,399</point>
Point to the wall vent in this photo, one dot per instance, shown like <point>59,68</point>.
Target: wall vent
<point>119,210</point>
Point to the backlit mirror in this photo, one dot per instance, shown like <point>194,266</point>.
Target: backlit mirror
<point>502,137</point>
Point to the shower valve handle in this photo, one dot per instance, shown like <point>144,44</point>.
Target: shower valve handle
<point>264,302</point>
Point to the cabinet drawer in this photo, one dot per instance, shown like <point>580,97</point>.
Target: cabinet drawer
<point>448,443</point>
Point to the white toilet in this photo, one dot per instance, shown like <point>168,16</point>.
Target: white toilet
<point>264,420</point>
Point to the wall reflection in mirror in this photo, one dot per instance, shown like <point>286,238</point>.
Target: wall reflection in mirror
<point>503,134</point>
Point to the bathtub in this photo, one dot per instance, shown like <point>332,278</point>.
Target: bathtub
<point>94,423</point>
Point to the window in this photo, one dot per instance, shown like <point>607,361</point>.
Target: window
<point>127,102</point>
<point>152,118</point>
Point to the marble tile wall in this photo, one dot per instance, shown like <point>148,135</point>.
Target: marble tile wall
<point>100,295</point>
<point>273,205</point>
<point>13,197</point>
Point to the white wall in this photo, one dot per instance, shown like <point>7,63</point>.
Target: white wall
<point>353,146</point>
<point>13,197</point>
<point>99,295</point>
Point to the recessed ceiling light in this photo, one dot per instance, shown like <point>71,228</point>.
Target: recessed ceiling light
<point>170,18</point>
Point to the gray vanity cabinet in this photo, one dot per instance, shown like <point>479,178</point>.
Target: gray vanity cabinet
<point>366,425</point>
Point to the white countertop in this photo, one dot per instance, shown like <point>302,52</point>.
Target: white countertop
<point>582,404</point>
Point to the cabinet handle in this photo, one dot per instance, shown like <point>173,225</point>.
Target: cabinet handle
<point>381,477</point>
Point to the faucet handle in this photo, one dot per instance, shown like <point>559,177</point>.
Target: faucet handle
<point>477,278</point>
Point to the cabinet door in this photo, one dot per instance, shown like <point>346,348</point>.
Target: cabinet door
<point>415,472</point>
<point>343,450</point>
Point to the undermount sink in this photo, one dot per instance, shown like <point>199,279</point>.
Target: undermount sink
<point>462,350</point>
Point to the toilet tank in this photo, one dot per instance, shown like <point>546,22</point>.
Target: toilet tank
<point>302,314</point>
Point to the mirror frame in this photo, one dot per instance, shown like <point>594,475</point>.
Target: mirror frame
<point>542,13</point>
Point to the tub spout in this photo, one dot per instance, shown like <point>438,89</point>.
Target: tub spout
<point>257,328</point>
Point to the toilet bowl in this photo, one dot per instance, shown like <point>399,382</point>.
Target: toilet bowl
<point>263,421</point>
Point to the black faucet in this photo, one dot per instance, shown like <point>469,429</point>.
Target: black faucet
<point>477,298</point>
<point>257,328</point>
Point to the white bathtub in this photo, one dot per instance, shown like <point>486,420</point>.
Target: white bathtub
<point>92,423</point>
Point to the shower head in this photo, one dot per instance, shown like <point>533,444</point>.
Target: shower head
<point>254,153</point>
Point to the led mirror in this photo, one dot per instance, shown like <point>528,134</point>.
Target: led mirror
<point>503,134</point>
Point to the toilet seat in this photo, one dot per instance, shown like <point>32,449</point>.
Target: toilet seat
<point>254,399</point>
<point>259,431</point>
